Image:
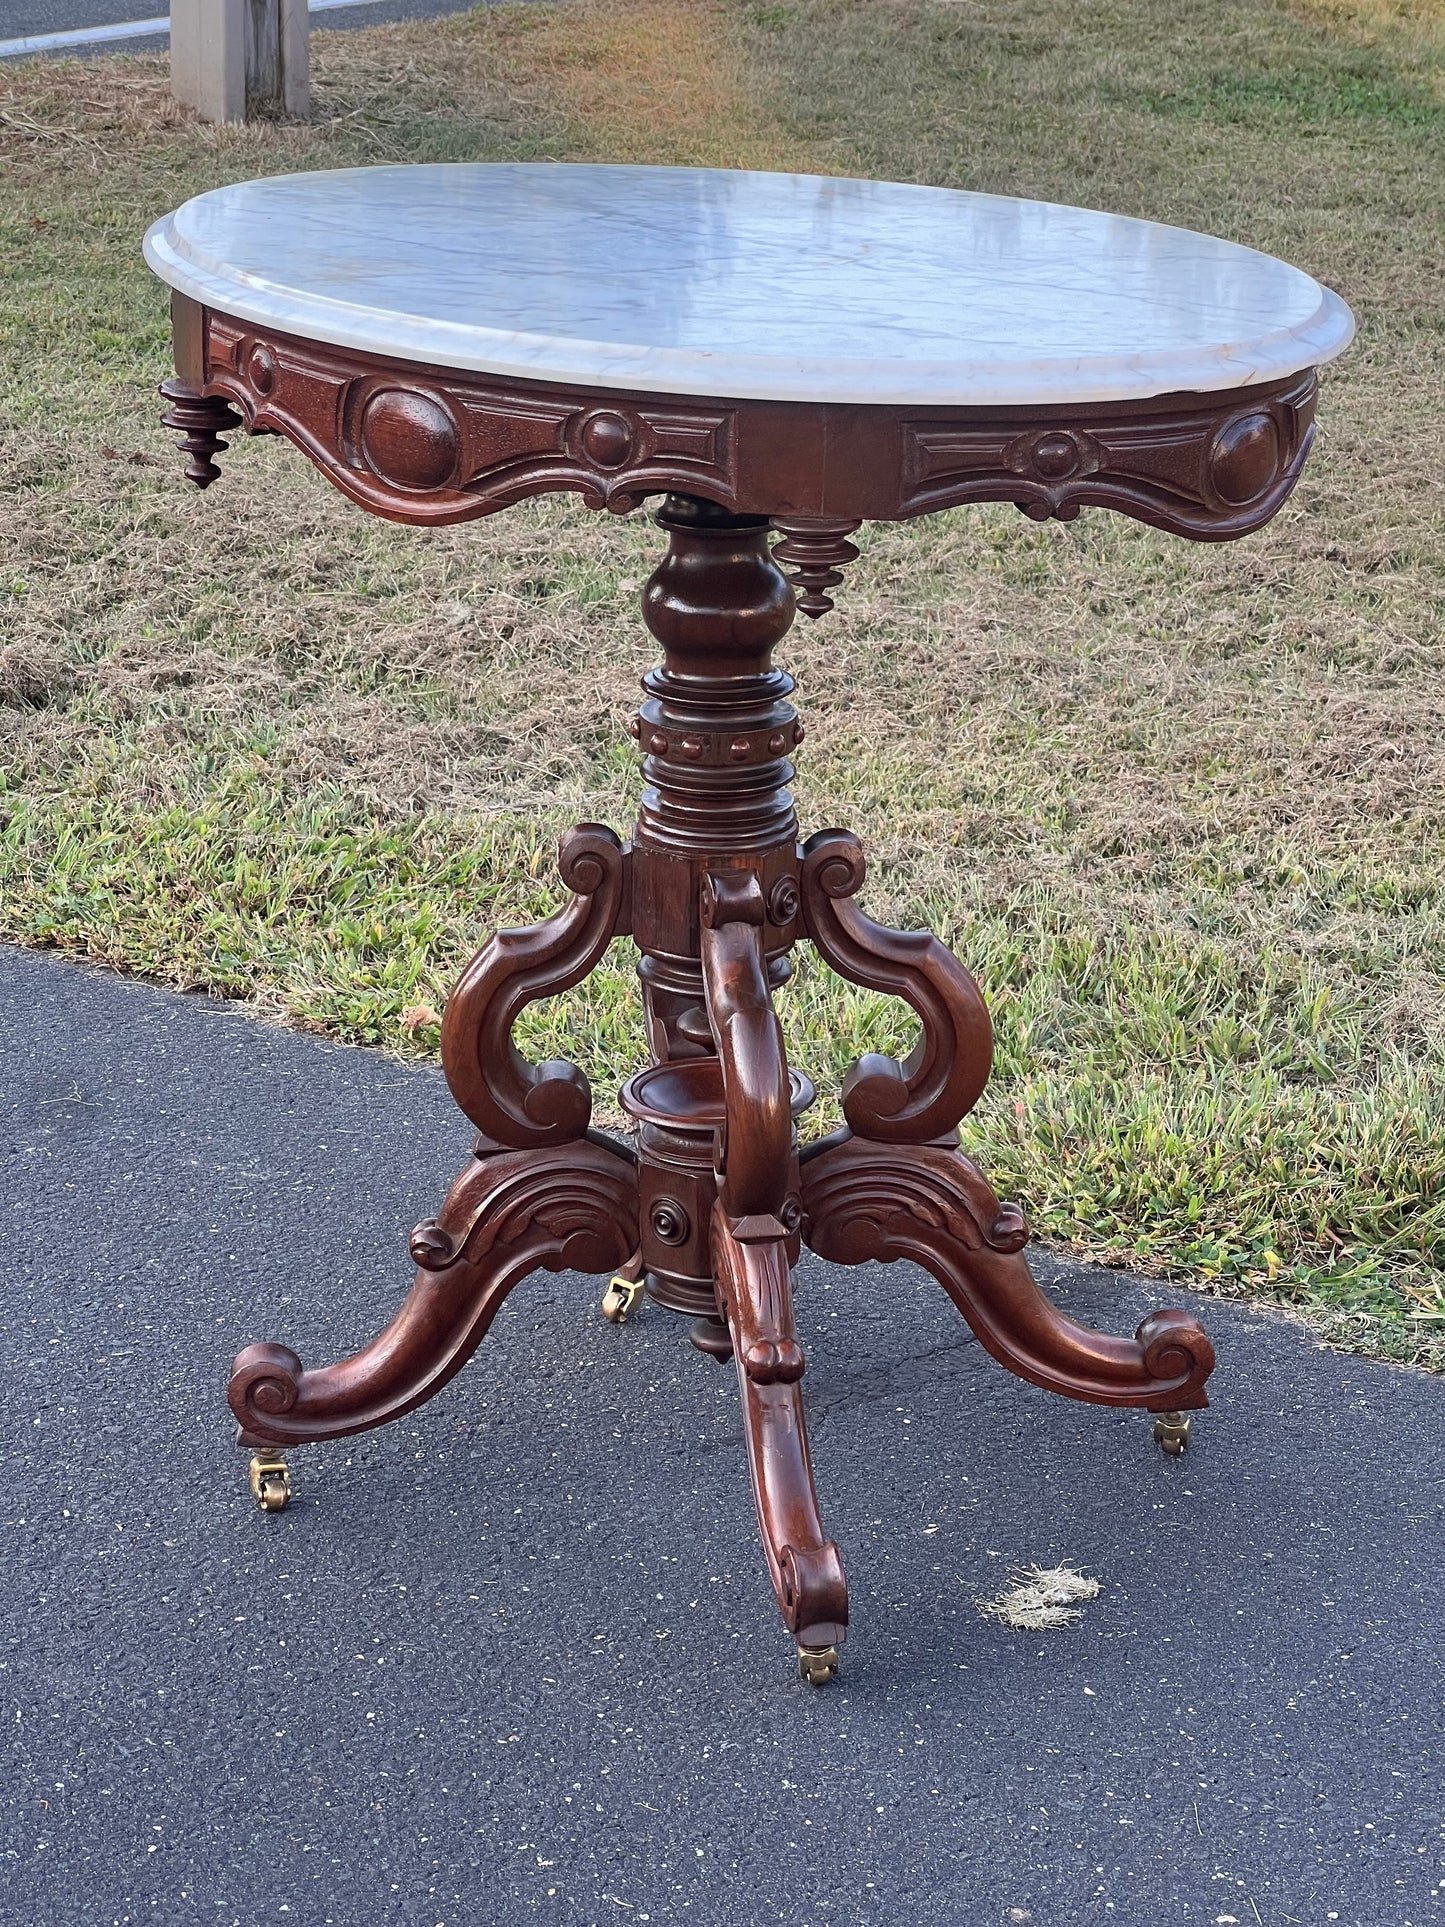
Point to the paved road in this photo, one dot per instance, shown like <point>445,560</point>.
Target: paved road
<point>515,1659</point>
<point>21,18</point>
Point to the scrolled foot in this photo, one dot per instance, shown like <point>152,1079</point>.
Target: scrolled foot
<point>568,1207</point>
<point>813,1593</point>
<point>928,1203</point>
<point>1175,1351</point>
<point>1171,1433</point>
<point>265,1381</point>
<point>270,1482</point>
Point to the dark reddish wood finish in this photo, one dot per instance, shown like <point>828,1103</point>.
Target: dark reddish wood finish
<point>755,1290</point>
<point>928,1203</point>
<point>715,890</point>
<point>815,553</point>
<point>200,422</point>
<point>944,1077</point>
<point>511,1101</point>
<point>570,1207</point>
<point>430,445</point>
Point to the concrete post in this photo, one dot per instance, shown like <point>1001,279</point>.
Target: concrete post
<point>241,59</point>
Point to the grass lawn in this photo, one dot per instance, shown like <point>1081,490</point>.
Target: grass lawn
<point>1182,808</point>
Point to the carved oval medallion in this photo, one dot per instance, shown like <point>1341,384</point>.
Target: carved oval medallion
<point>1245,458</point>
<point>409,440</point>
<point>261,368</point>
<point>1055,456</point>
<point>607,438</point>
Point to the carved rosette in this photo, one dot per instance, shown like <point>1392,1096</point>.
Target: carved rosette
<point>1051,460</point>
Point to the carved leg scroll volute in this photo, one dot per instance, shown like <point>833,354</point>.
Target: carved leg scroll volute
<point>539,1195</point>
<point>942,1080</point>
<point>509,1100</point>
<point>754,1236</point>
<point>928,1203</point>
<point>572,1207</point>
<point>896,1186</point>
<point>806,1569</point>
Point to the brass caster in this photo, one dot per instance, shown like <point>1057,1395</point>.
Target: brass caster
<point>1171,1432</point>
<point>817,1664</point>
<point>270,1482</point>
<point>621,1299</point>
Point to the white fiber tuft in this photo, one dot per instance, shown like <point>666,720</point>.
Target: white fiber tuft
<point>1041,1597</point>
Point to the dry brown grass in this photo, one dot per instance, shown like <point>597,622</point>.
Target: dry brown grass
<point>652,79</point>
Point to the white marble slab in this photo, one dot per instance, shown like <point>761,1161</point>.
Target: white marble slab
<point>772,286</point>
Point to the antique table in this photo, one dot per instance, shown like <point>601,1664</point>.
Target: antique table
<point>771,354</point>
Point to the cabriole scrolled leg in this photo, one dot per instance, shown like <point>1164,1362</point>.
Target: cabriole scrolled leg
<point>753,1239</point>
<point>755,1287</point>
<point>569,1207</point>
<point>928,1203</point>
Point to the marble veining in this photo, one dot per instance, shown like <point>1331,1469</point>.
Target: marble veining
<point>698,281</point>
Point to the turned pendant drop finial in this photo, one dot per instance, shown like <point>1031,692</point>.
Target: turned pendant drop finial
<point>200,422</point>
<point>814,554</point>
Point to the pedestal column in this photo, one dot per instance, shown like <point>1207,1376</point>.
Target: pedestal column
<point>716,732</point>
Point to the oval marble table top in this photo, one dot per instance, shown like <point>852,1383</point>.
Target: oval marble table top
<point>778,287</point>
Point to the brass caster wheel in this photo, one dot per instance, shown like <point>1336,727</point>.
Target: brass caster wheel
<point>270,1482</point>
<point>1171,1432</point>
<point>621,1299</point>
<point>817,1664</point>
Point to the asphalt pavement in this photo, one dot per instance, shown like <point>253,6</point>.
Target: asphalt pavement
<point>19,19</point>
<point>515,1658</point>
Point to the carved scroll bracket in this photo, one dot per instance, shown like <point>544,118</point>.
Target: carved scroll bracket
<point>943,1078</point>
<point>511,1101</point>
